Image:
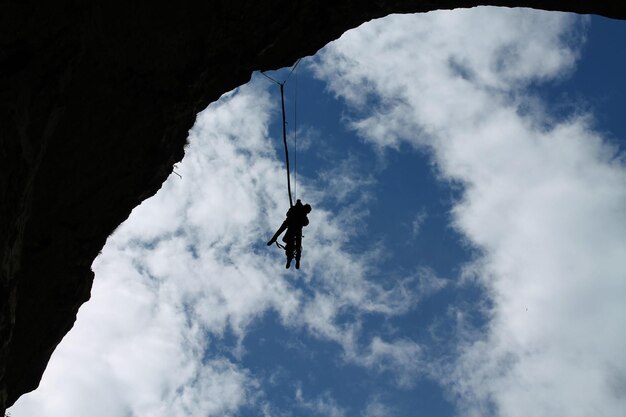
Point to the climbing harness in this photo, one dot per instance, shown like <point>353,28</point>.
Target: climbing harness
<point>281,85</point>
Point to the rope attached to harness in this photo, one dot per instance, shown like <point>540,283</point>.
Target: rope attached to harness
<point>281,85</point>
<point>282,105</point>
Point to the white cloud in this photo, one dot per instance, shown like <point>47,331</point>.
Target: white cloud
<point>544,200</point>
<point>219,389</point>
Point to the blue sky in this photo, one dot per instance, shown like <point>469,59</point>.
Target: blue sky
<point>465,255</point>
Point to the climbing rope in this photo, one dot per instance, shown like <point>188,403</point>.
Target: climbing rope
<point>295,138</point>
<point>281,85</point>
<point>282,102</point>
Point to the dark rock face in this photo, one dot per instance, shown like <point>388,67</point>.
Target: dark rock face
<point>96,101</point>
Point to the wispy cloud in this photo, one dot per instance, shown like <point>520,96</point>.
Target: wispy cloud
<point>403,358</point>
<point>418,221</point>
<point>376,408</point>
<point>323,405</point>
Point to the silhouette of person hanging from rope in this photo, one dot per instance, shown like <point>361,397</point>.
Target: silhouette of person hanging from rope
<point>295,221</point>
